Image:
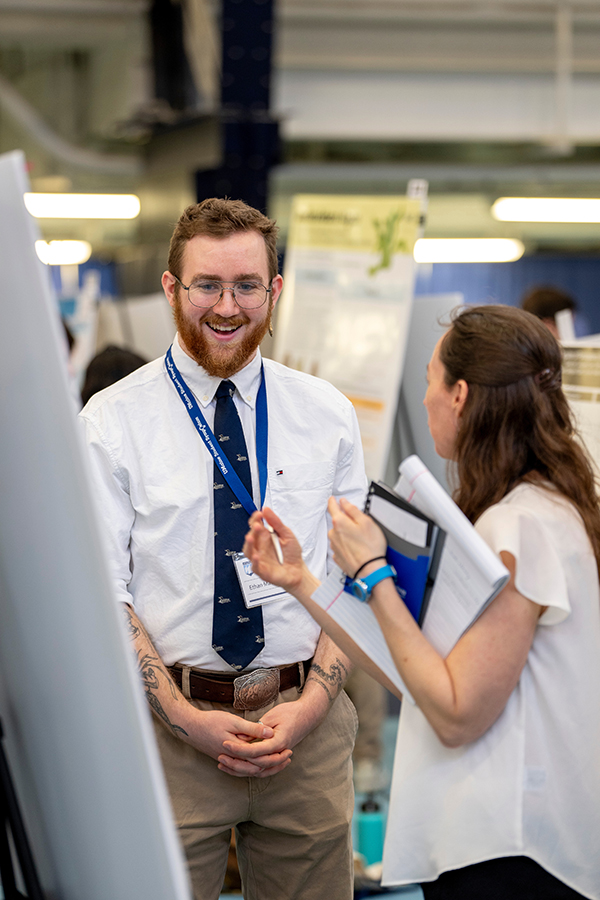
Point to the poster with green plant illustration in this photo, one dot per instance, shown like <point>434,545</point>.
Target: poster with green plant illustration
<point>345,310</point>
<point>390,240</point>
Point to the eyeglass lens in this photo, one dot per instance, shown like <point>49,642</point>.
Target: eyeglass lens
<point>247,294</point>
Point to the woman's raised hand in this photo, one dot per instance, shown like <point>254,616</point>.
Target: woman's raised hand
<point>260,550</point>
<point>354,536</point>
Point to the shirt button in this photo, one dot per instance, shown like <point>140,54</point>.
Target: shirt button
<point>249,398</point>
<point>205,398</point>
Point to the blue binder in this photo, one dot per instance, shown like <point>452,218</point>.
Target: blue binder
<point>416,564</point>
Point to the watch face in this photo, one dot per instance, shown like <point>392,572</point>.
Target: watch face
<point>360,589</point>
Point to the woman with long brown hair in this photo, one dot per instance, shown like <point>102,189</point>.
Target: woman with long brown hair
<point>496,789</point>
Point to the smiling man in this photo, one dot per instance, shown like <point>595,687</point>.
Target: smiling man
<point>253,726</point>
<point>227,334</point>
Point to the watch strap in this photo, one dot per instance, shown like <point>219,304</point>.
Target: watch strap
<point>362,587</point>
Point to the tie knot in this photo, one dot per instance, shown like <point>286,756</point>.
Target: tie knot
<point>225,389</point>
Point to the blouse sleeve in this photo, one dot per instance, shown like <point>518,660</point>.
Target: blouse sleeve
<point>540,575</point>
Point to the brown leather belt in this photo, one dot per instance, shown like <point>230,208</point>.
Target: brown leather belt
<point>253,690</point>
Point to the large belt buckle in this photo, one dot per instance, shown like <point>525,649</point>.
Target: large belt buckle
<point>255,689</point>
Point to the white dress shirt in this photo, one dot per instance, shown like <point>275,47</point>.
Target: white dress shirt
<point>530,786</point>
<point>153,479</point>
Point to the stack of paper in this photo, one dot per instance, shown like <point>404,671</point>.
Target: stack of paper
<point>457,576</point>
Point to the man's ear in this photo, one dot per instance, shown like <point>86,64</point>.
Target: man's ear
<point>276,288</point>
<point>168,285</point>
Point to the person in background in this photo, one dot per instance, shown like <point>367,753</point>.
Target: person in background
<point>69,335</point>
<point>370,701</point>
<point>496,789</point>
<point>544,302</point>
<point>225,674</point>
<point>108,366</point>
<point>74,391</point>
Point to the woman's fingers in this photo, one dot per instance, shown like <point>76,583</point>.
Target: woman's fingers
<point>342,510</point>
<point>352,511</point>
<point>332,506</point>
<point>257,541</point>
<point>354,536</point>
<point>273,519</point>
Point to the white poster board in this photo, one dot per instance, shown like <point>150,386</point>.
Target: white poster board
<point>581,384</point>
<point>346,304</point>
<point>142,324</point>
<point>79,739</point>
<point>428,322</point>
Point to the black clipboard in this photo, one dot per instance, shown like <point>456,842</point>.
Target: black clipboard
<point>416,564</point>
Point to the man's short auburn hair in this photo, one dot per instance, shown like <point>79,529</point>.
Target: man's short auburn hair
<point>218,218</point>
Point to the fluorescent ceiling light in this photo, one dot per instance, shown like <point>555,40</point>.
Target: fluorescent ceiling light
<point>546,209</point>
<point>467,250</point>
<point>63,253</point>
<point>83,206</point>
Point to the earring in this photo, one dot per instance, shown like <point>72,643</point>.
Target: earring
<point>270,328</point>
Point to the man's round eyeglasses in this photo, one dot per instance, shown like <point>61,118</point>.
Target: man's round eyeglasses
<point>247,294</point>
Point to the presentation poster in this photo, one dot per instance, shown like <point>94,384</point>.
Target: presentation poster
<point>581,384</point>
<point>345,310</point>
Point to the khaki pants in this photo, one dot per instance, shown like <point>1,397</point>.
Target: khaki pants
<point>292,830</point>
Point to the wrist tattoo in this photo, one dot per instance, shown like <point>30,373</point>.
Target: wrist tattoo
<point>331,681</point>
<point>150,668</point>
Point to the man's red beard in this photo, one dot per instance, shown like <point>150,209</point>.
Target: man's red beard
<point>225,361</point>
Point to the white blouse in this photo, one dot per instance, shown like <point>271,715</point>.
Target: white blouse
<point>530,786</point>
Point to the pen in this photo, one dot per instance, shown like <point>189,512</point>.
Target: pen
<point>275,540</point>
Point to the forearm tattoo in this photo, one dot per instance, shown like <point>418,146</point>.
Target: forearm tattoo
<point>332,681</point>
<point>151,667</point>
<point>133,629</point>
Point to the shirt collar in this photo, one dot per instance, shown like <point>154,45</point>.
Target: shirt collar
<point>204,386</point>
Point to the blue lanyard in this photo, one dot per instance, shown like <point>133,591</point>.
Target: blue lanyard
<point>201,426</point>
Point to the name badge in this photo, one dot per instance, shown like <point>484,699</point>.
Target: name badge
<point>255,591</point>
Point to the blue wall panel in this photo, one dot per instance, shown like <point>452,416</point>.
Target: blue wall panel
<point>507,282</point>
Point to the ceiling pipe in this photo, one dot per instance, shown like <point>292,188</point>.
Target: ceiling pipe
<point>120,8</point>
<point>564,77</point>
<point>29,119</point>
<point>458,11</point>
<point>306,177</point>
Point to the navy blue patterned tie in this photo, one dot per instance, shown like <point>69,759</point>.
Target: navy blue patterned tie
<point>238,634</point>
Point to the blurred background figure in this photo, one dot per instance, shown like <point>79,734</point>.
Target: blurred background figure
<point>371,700</point>
<point>108,366</point>
<point>545,302</point>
